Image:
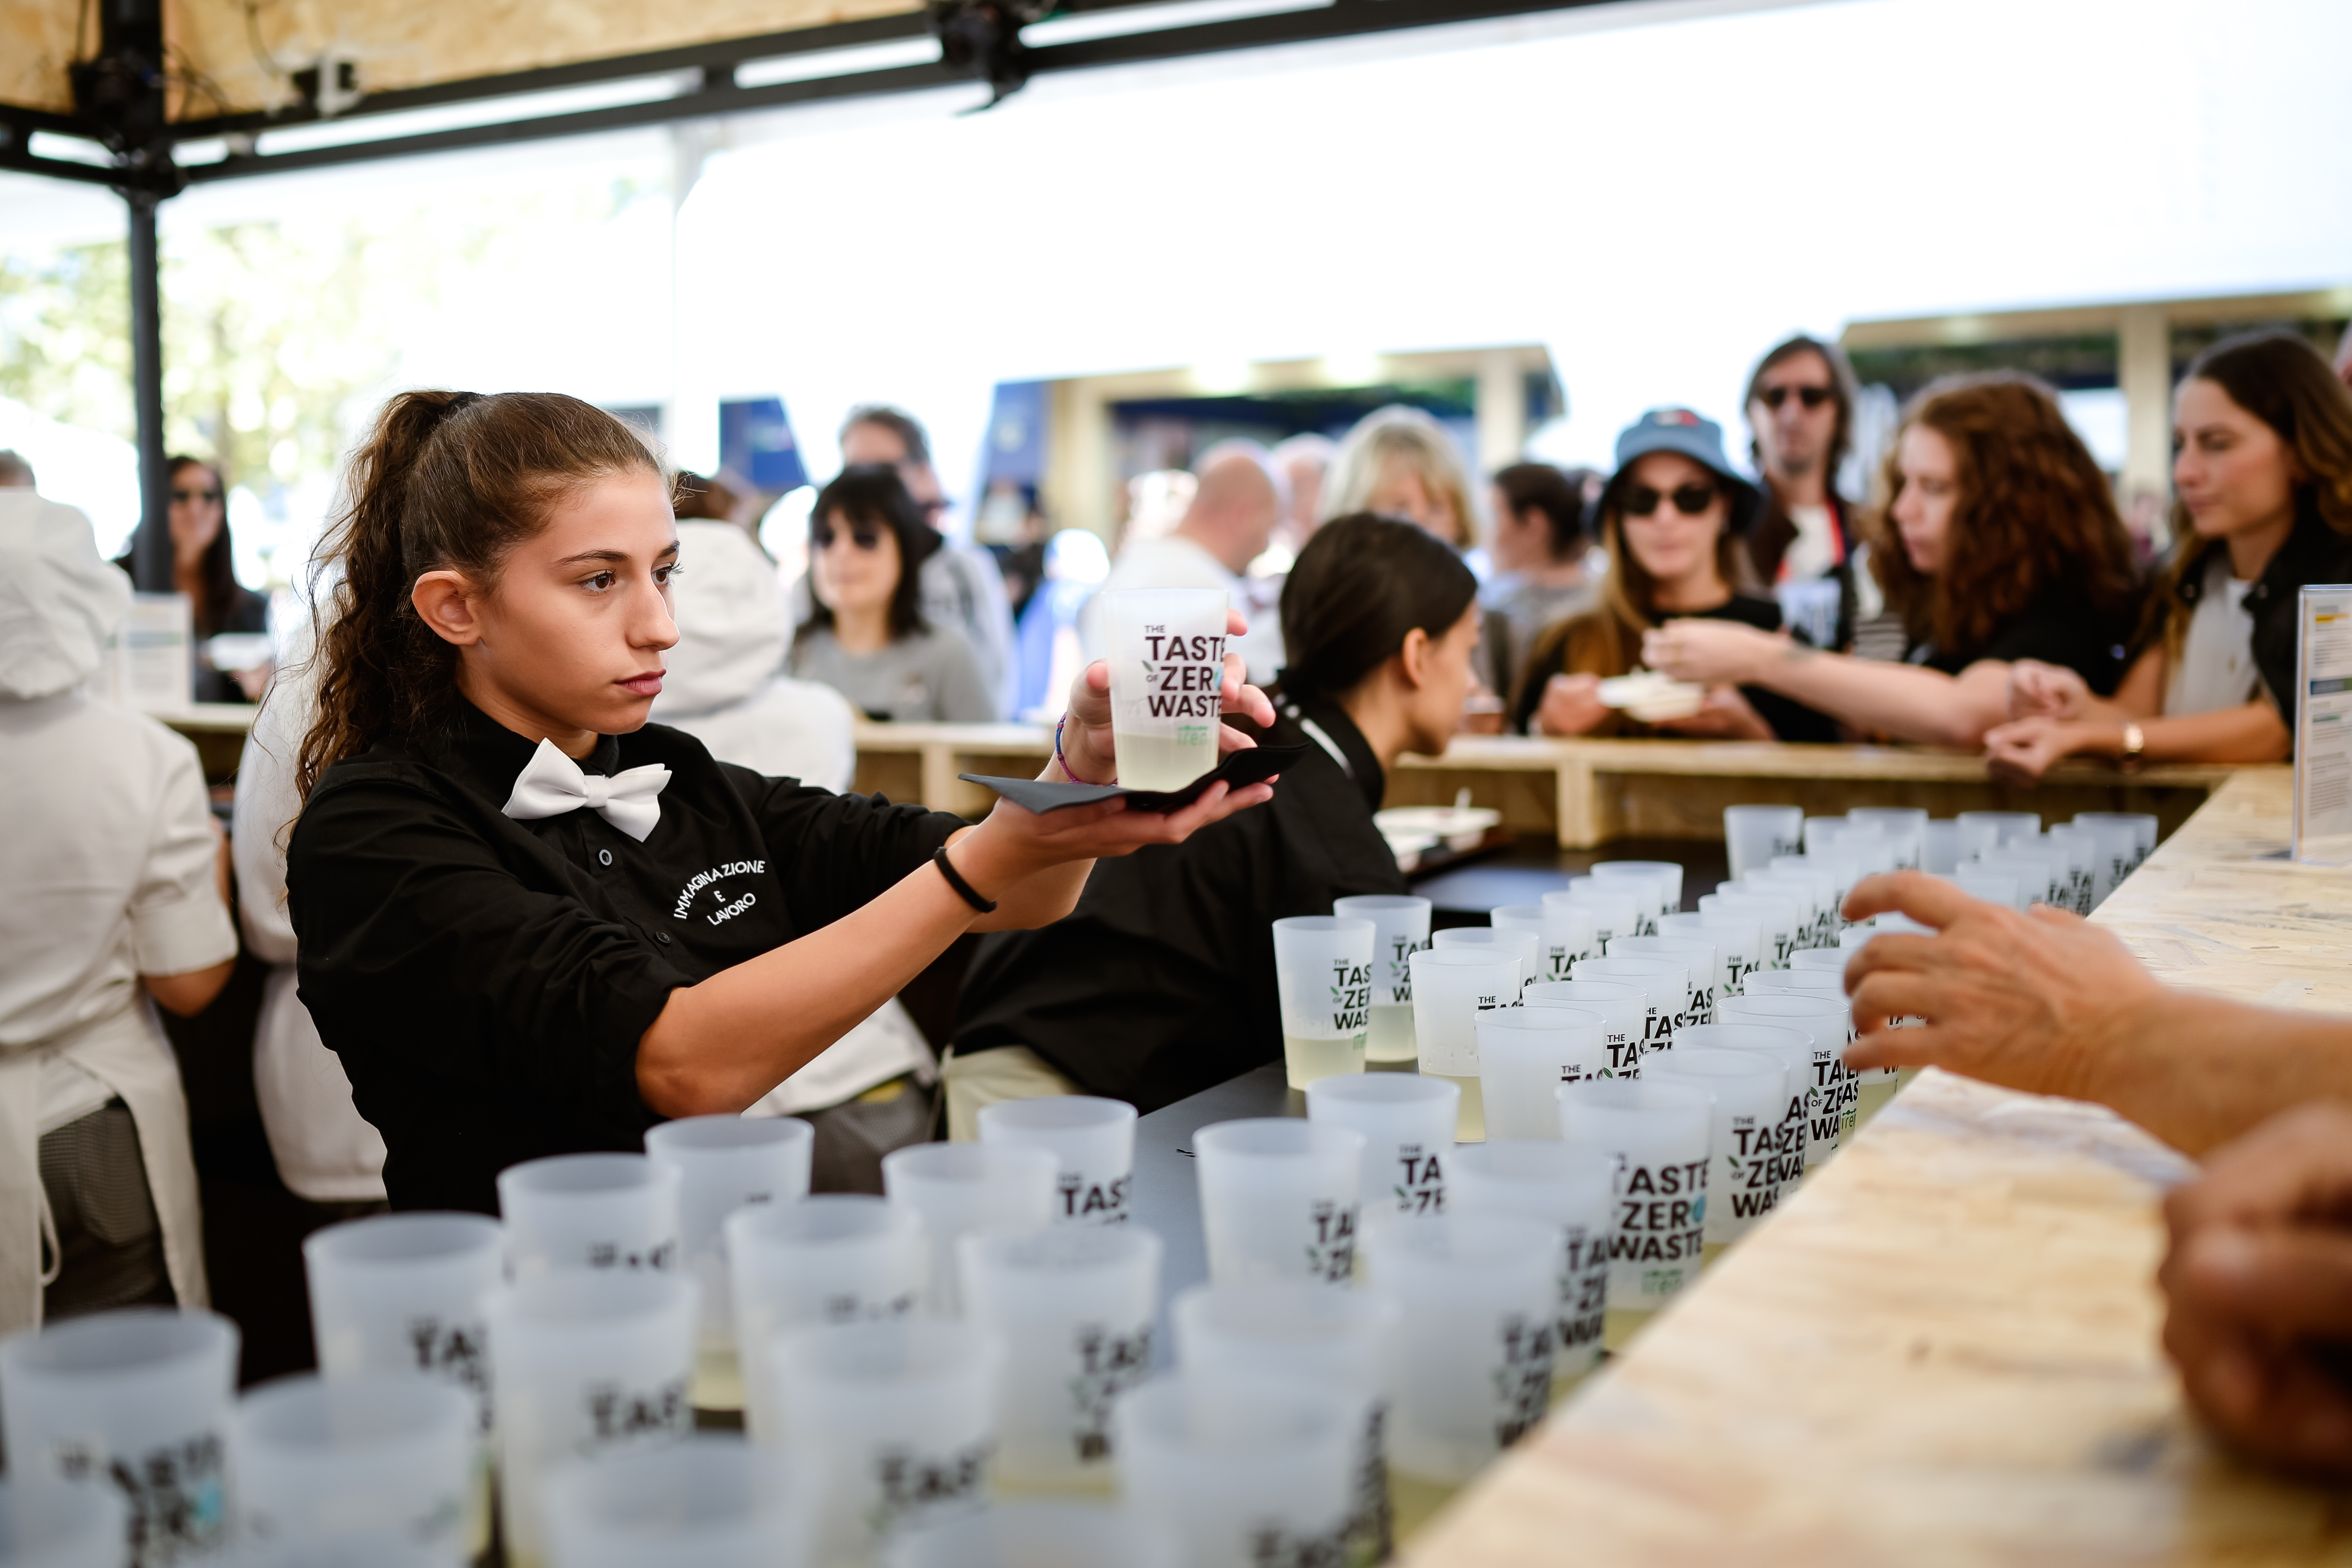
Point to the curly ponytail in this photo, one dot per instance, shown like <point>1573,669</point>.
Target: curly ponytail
<point>446,480</point>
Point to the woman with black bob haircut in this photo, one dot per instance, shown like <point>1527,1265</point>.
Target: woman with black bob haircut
<point>866,636</point>
<point>1162,982</point>
<point>531,922</point>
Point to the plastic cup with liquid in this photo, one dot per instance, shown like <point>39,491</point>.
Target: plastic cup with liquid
<point>967,1189</point>
<point>708,1499</point>
<point>1524,1053</point>
<point>833,1257</point>
<point>1826,1019</point>
<point>1453,987</point>
<point>1323,974</point>
<point>1752,834</point>
<point>1623,1006</point>
<point>1343,1339</point>
<point>1480,1295</point>
<point>1747,1096</point>
<point>1166,649</point>
<point>1616,910</point>
<point>1407,1120</point>
<point>1093,1140</point>
<point>1905,826</point>
<point>1400,930</point>
<point>74,1524</point>
<point>1036,1533</point>
<point>1569,1189</point>
<point>1709,976</point>
<point>583,1361</point>
<point>1280,1198</point>
<point>137,1399</point>
<point>590,1211</point>
<point>894,1424</point>
<point>1791,1050</point>
<point>1241,1472</point>
<point>1666,977</point>
<point>1656,1132</point>
<point>1073,1307</point>
<point>1564,932</point>
<point>724,1163</point>
<point>323,1464</point>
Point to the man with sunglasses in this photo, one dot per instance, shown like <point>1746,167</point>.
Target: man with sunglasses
<point>1801,409</point>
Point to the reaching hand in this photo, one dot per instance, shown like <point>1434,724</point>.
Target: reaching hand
<point>2045,691</point>
<point>1572,705</point>
<point>1086,736</point>
<point>2021,750</point>
<point>2258,1289</point>
<point>1712,653</point>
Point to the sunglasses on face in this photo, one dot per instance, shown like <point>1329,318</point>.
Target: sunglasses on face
<point>1691,500</point>
<point>821,535</point>
<point>195,495</point>
<point>1772,397</point>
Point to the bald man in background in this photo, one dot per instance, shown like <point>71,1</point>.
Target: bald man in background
<point>1232,518</point>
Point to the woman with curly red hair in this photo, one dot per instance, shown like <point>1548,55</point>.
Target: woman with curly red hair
<point>1999,543</point>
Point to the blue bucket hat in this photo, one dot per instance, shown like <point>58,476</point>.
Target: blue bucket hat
<point>1689,435</point>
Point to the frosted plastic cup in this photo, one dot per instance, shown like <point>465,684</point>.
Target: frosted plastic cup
<point>1524,1053</point>
<point>1452,986</point>
<point>1166,649</point>
<point>967,1189</point>
<point>1708,978</point>
<point>1407,1120</point>
<point>1615,911</point>
<point>1239,1473</point>
<point>1564,932</point>
<point>1738,940</point>
<point>1400,930</point>
<point>2004,887</point>
<point>723,1163</point>
<point>1036,1534</point>
<point>1323,973</point>
<point>1825,1020</point>
<point>1790,1051</point>
<point>1839,871</point>
<point>1869,847</point>
<point>1481,1301</point>
<point>81,1524</point>
<point>2142,825</point>
<point>1940,849</point>
<point>2083,857</point>
<point>2041,873</point>
<point>407,1292</point>
<point>1657,1134</point>
<point>1527,946</point>
<point>1091,1139</point>
<point>1747,1096</point>
<point>1905,826</point>
<point>2119,851</point>
<point>1663,877</point>
<point>1667,979</point>
<point>1639,894</point>
<point>582,1363</point>
<point>1623,1007</point>
<point>136,1400</point>
<point>2010,825</point>
<point>1779,913</point>
<point>1072,1306</point>
<point>1567,1189</point>
<point>590,1211</point>
<point>1871,1087</point>
<point>835,1258</point>
<point>1752,834</point>
<point>1820,830</point>
<point>710,1500</point>
<point>1279,1198</point>
<point>321,1463</point>
<point>1817,915</point>
<point>894,1424</point>
<point>1341,1340</point>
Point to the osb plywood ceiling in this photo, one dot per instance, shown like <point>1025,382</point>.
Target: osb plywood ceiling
<point>232,56</point>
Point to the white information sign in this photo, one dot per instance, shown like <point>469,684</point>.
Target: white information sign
<point>2323,725</point>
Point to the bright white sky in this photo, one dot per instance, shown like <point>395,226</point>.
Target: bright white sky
<point>1656,190</point>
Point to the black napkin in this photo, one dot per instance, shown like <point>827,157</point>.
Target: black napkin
<point>1251,765</point>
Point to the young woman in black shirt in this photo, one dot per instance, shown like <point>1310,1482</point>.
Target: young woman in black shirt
<point>1162,982</point>
<point>2004,545</point>
<point>531,923</point>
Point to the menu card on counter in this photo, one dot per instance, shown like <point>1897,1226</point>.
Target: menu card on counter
<point>2323,725</point>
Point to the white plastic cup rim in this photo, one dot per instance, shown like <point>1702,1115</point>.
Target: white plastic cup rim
<point>126,1346</point>
<point>1323,924</point>
<point>1278,1138</point>
<point>592,1297</point>
<point>308,1416</point>
<point>952,1164</point>
<point>395,1242</point>
<point>1531,1161</point>
<point>1399,902</point>
<point>1055,1113</point>
<point>822,1220</point>
<point>1382,1088</point>
<point>1549,991</point>
<point>891,1352</point>
<point>1464,1241</point>
<point>1716,1061</point>
<point>725,1134</point>
<point>1631,1094</point>
<point>1286,1413</point>
<point>1543,1015</point>
<point>573,1177</point>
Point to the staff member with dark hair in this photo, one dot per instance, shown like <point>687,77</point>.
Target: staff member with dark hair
<point>1162,982</point>
<point>203,568</point>
<point>531,923</point>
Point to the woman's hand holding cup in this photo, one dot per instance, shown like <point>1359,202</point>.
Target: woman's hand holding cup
<point>1087,743</point>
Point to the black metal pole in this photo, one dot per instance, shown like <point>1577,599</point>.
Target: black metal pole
<point>151,547</point>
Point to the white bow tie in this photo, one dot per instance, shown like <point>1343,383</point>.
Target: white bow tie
<point>551,783</point>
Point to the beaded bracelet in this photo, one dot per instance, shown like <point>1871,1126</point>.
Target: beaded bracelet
<point>1064,762</point>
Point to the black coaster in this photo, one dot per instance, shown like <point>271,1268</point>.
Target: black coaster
<point>1253,765</point>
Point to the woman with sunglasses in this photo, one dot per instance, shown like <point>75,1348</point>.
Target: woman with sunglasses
<point>1671,520</point>
<point>867,636</point>
<point>2005,545</point>
<point>203,568</point>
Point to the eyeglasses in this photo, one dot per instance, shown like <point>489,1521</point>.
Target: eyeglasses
<point>1772,397</point>
<point>195,495</point>
<point>1691,500</point>
<point>821,534</point>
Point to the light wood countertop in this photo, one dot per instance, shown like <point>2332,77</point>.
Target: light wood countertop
<point>1943,1349</point>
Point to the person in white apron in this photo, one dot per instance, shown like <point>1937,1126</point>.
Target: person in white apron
<point>116,892</point>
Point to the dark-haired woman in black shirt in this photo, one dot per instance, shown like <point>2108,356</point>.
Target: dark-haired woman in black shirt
<point>1160,984</point>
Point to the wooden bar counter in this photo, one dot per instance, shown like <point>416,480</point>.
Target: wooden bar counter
<point>1943,1349</point>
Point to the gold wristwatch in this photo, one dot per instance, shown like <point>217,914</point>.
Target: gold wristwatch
<point>2134,745</point>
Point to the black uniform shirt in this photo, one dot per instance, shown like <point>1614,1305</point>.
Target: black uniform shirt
<point>1160,984</point>
<point>2060,629</point>
<point>485,980</point>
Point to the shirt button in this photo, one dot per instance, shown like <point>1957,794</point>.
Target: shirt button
<point>662,937</point>
<point>604,855</point>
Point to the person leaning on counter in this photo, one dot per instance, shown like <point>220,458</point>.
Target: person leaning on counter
<point>531,923</point>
